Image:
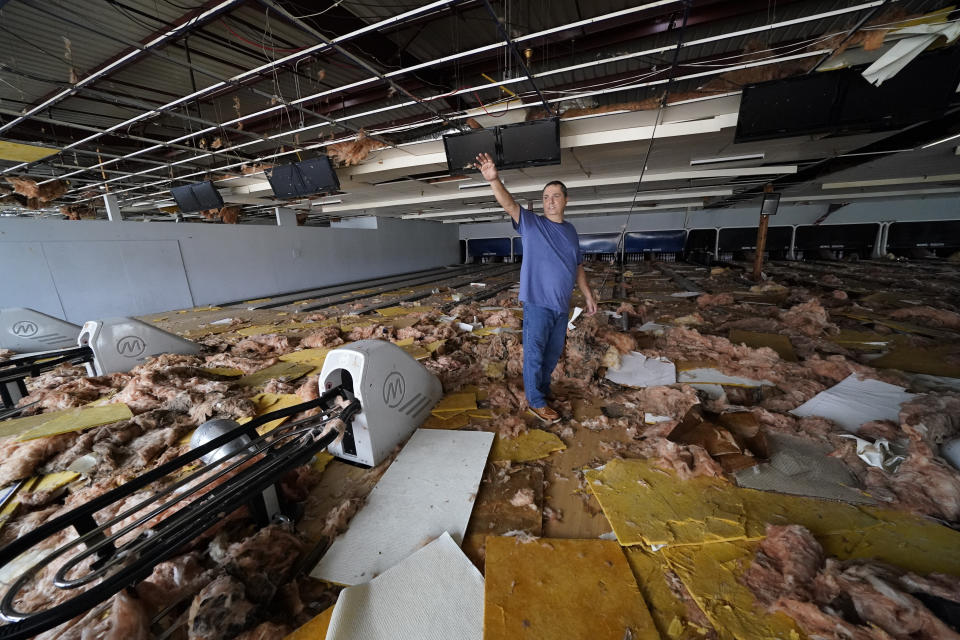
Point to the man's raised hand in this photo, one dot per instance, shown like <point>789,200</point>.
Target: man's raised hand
<point>486,166</point>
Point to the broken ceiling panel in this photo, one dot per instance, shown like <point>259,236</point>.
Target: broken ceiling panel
<point>428,490</point>
<point>434,594</point>
<point>539,588</point>
<point>19,152</point>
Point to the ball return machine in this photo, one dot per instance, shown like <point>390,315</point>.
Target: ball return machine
<point>102,346</point>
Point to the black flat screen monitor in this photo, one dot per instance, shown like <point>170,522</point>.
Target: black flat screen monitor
<point>197,197</point>
<point>530,144</point>
<point>318,175</point>
<point>462,148</point>
<point>301,179</point>
<point>922,91</point>
<point>285,181</point>
<point>789,107</point>
<point>842,102</point>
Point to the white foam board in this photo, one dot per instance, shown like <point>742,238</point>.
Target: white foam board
<point>434,594</point>
<point>637,370</point>
<point>428,490</point>
<point>707,375</point>
<point>852,402</point>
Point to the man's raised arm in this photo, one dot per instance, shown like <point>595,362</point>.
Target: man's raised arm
<point>489,171</point>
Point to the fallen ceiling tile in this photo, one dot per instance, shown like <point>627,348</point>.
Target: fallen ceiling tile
<point>637,370</point>
<point>316,629</point>
<point>76,420</point>
<point>538,589</point>
<point>803,467</point>
<point>17,152</point>
<point>434,594</point>
<point>455,402</point>
<point>646,505</point>
<point>711,573</point>
<point>285,371</point>
<point>267,402</point>
<point>428,490</point>
<point>531,445</point>
<point>670,613</point>
<point>852,402</point>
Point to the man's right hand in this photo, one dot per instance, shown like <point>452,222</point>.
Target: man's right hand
<point>489,170</point>
<point>487,167</point>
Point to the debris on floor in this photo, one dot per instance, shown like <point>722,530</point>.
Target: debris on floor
<point>435,593</point>
<point>429,489</point>
<point>541,588</point>
<point>693,430</point>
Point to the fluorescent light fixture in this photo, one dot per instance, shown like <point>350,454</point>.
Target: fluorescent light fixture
<point>748,156</point>
<point>595,115</point>
<point>941,141</point>
<point>394,181</point>
<point>945,177</point>
<point>475,185</point>
<point>488,219</point>
<point>326,202</point>
<point>680,194</point>
<point>444,180</point>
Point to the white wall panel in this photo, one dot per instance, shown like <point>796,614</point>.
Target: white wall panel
<point>133,268</point>
<point>110,278</point>
<point>26,280</point>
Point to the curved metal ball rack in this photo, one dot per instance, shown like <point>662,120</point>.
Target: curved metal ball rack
<point>117,552</point>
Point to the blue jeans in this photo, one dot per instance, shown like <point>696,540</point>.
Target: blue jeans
<point>544,331</point>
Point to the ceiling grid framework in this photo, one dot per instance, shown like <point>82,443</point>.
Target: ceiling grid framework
<point>138,96</point>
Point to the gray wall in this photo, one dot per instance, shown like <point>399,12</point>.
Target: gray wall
<point>915,209</point>
<point>84,270</point>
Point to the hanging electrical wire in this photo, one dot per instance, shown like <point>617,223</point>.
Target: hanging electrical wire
<point>656,123</point>
<point>257,44</point>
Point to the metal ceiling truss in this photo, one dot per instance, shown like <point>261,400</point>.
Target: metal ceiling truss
<point>200,162</point>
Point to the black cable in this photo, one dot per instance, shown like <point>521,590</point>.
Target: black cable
<point>516,53</point>
<point>192,519</point>
<point>178,6</point>
<point>653,134</point>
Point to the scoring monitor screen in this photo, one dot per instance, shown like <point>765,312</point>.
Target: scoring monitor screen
<point>197,197</point>
<point>462,148</point>
<point>301,179</point>
<point>530,144</point>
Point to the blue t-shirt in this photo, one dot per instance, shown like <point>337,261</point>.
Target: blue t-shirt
<point>551,253</point>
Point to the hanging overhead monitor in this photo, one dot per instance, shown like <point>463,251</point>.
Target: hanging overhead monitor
<point>462,148</point>
<point>197,197</point>
<point>530,144</point>
<point>302,179</point>
<point>513,146</point>
<point>842,102</point>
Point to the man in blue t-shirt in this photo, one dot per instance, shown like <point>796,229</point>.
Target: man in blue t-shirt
<point>552,264</point>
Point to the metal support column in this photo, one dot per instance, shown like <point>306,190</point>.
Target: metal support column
<point>113,208</point>
<point>286,217</point>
